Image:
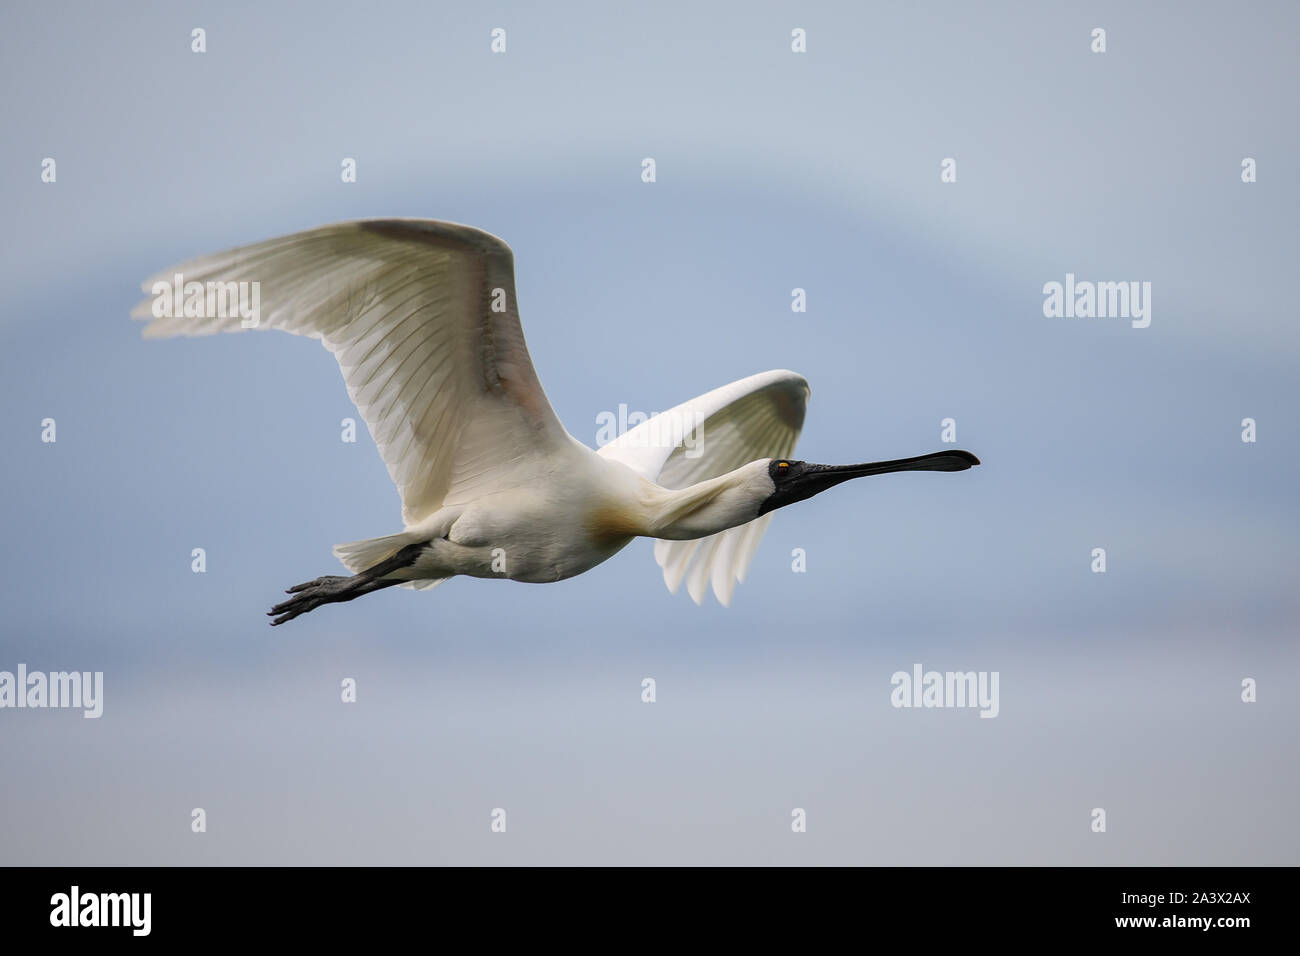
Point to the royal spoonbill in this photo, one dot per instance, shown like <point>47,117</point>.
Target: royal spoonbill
<point>422,318</point>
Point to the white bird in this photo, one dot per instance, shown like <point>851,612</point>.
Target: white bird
<point>422,318</point>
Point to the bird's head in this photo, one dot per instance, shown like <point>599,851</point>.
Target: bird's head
<point>796,480</point>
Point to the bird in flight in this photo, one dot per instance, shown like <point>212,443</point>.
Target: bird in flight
<point>422,318</point>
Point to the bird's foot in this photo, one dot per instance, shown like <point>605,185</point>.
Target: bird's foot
<point>327,579</point>
<point>308,596</point>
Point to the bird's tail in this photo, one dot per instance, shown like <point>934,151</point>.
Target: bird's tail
<point>358,556</point>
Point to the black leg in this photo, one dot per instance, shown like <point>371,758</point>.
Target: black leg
<point>333,588</point>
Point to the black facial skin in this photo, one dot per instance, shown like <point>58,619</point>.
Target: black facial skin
<point>797,480</point>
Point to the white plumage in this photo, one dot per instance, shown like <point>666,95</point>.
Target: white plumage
<point>422,318</point>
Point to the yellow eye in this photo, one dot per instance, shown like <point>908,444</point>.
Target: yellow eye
<point>783,465</point>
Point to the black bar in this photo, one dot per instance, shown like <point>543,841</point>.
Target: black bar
<point>331,905</point>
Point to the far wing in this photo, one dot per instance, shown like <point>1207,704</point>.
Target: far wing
<point>756,417</point>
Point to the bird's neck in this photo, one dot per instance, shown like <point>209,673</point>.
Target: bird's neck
<point>705,508</point>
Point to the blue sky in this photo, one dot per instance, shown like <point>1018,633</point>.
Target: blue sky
<point>774,171</point>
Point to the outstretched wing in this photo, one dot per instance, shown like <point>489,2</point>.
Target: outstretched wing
<point>756,417</point>
<point>422,318</point>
